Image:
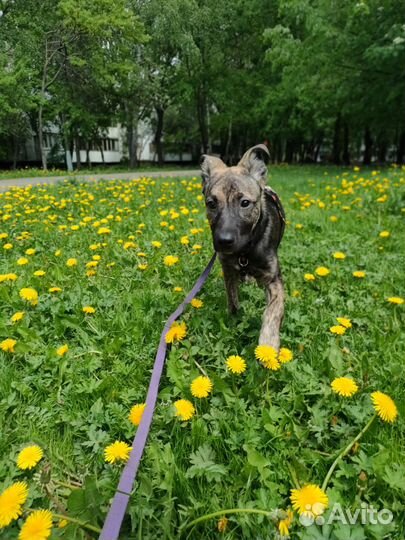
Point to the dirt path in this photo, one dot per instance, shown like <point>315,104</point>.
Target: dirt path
<point>5,185</point>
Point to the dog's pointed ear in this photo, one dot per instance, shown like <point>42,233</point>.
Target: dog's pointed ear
<point>255,161</point>
<point>208,164</point>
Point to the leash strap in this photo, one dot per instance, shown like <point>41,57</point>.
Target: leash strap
<point>116,513</point>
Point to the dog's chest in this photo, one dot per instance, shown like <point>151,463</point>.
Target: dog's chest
<point>253,268</point>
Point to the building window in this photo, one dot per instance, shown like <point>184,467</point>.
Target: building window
<point>110,145</point>
<point>49,140</point>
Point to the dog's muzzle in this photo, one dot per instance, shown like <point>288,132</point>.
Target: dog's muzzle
<point>224,241</point>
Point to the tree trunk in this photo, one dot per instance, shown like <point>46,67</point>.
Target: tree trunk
<point>317,150</point>
<point>15,152</point>
<point>88,160</point>
<point>289,151</point>
<point>301,153</point>
<point>132,135</point>
<point>401,148</point>
<point>202,121</point>
<point>382,149</point>
<point>102,152</point>
<point>336,149</point>
<point>228,143</point>
<point>77,147</point>
<point>346,151</point>
<point>41,138</point>
<point>158,135</point>
<point>278,150</point>
<point>66,143</point>
<point>368,147</point>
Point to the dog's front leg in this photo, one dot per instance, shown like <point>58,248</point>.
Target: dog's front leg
<point>231,278</point>
<point>273,314</point>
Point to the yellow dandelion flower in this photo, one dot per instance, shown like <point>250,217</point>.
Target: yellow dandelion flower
<point>222,524</point>
<point>285,523</point>
<point>185,240</point>
<point>7,345</point>
<point>170,260</point>
<point>29,457</point>
<point>395,300</point>
<point>54,289</point>
<point>11,501</point>
<point>117,451</point>
<point>30,251</point>
<point>184,409</point>
<point>177,332</point>
<point>22,261</point>
<point>178,289</point>
<point>201,387</point>
<point>267,356</point>
<point>71,262</point>
<point>338,329</point>
<point>37,526</point>
<point>384,234</point>
<point>104,230</point>
<point>58,253</point>
<point>136,412</point>
<point>156,244</point>
<point>333,219</point>
<point>236,364</point>
<point>8,246</point>
<point>62,350</point>
<point>29,295</point>
<point>310,500</point>
<point>197,303</point>
<point>88,310</point>
<point>347,323</point>
<point>384,406</point>
<point>339,255</point>
<point>344,386</point>
<point>39,273</point>
<point>309,277</point>
<point>7,277</point>
<point>143,266</point>
<point>285,355</point>
<point>18,316</point>
<point>359,274</point>
<point>322,271</point>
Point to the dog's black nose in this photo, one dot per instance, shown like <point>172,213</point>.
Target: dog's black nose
<point>225,239</point>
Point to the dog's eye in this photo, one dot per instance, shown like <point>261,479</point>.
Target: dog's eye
<point>244,203</point>
<point>211,204</point>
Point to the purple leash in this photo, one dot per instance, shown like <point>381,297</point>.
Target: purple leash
<point>115,516</point>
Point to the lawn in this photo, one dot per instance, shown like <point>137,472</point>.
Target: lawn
<point>71,376</point>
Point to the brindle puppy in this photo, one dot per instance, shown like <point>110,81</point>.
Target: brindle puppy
<point>247,223</point>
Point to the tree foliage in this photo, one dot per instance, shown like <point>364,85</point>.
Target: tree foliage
<point>314,78</point>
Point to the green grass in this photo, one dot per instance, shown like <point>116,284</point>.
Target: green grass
<point>256,432</point>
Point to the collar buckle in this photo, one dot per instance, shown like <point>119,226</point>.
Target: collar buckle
<point>243,261</point>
